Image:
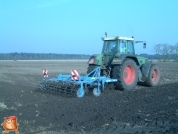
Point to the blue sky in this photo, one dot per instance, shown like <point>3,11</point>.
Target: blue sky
<point>76,26</point>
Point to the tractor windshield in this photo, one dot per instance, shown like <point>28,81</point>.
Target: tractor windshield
<point>110,46</point>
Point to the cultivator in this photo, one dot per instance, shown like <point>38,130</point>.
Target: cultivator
<point>75,84</point>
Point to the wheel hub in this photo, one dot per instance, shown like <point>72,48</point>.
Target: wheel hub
<point>154,75</point>
<point>125,74</point>
<point>129,74</point>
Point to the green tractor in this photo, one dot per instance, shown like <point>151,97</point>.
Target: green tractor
<point>119,61</point>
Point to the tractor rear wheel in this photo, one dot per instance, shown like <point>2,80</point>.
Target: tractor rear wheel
<point>153,78</point>
<point>126,74</point>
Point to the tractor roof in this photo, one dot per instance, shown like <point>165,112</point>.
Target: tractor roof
<point>118,38</point>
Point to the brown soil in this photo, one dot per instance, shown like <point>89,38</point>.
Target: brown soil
<point>142,110</point>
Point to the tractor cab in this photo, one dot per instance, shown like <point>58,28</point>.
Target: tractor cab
<point>115,47</point>
<point>118,45</point>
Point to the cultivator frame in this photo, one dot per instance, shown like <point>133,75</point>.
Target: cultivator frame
<point>65,83</point>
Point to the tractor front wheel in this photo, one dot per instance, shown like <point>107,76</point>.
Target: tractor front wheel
<point>126,74</point>
<point>153,78</point>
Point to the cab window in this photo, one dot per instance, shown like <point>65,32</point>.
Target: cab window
<point>130,47</point>
<point>122,46</point>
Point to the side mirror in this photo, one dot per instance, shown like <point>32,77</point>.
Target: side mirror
<point>144,45</point>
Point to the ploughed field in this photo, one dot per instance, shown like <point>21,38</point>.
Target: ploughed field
<point>142,110</point>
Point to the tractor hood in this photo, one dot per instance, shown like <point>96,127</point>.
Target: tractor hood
<point>96,59</point>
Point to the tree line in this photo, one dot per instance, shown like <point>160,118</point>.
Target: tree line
<point>163,52</point>
<point>40,56</point>
<point>166,52</point>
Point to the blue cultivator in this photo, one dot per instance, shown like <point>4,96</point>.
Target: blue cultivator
<point>69,84</point>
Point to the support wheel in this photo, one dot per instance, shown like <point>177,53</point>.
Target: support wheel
<point>126,74</point>
<point>153,78</point>
<point>96,92</point>
<point>80,92</point>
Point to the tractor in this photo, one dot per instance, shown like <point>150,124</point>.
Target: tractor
<point>117,65</point>
<point>119,61</point>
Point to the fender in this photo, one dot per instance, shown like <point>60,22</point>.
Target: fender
<point>119,59</point>
<point>145,68</point>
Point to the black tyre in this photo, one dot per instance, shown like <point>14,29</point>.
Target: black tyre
<point>126,74</point>
<point>153,78</point>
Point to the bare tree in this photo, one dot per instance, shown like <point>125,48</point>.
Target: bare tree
<point>171,51</point>
<point>165,51</point>
<point>157,50</point>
